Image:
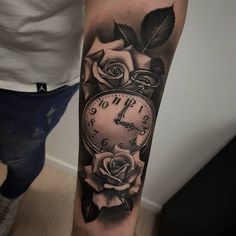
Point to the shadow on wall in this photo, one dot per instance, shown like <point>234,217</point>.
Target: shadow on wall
<point>175,169</point>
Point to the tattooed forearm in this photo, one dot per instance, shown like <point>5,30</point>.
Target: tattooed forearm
<point>123,81</point>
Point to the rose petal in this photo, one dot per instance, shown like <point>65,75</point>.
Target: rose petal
<point>87,64</point>
<point>121,175</point>
<point>113,64</point>
<point>104,172</point>
<point>117,149</point>
<point>106,163</point>
<point>92,180</point>
<point>120,56</point>
<point>135,188</point>
<point>89,83</point>
<point>139,166</point>
<point>140,60</point>
<point>113,180</point>
<point>131,176</point>
<point>118,188</point>
<point>97,71</point>
<point>103,75</point>
<point>127,157</point>
<point>120,79</point>
<point>98,160</point>
<point>125,78</point>
<point>108,81</point>
<point>97,56</point>
<point>117,170</point>
<point>102,200</point>
<point>137,157</point>
<point>98,45</point>
<point>117,162</point>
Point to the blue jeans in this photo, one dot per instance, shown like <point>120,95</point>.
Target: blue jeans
<point>26,119</point>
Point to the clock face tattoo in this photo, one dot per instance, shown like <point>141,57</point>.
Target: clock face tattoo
<point>119,118</point>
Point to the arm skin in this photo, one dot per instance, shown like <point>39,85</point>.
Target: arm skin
<point>128,49</point>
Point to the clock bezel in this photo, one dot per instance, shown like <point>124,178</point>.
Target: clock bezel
<point>89,145</point>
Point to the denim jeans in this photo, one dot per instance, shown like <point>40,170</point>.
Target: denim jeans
<point>26,119</point>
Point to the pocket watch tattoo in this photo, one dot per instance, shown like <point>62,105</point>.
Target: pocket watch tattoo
<point>119,82</point>
<point>117,117</point>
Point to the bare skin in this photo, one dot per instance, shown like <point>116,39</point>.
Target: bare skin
<point>128,49</point>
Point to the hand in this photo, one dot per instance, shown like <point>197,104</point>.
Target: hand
<point>121,114</point>
<point>129,126</point>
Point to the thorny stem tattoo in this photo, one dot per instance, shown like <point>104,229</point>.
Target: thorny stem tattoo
<point>120,89</point>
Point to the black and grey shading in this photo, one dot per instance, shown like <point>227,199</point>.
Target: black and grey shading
<point>120,79</point>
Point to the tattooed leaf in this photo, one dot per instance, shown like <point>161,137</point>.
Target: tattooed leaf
<point>157,27</point>
<point>158,66</point>
<point>122,31</point>
<point>127,204</point>
<point>89,209</point>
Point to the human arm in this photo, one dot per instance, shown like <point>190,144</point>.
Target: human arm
<point>128,49</point>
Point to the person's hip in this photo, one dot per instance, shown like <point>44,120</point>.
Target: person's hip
<point>32,115</point>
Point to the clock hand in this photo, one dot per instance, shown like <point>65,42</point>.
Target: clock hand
<point>129,126</point>
<point>121,114</point>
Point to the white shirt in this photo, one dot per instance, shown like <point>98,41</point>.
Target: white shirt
<point>40,42</point>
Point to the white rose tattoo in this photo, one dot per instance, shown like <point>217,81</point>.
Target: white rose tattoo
<point>120,77</point>
<point>111,66</point>
<point>115,176</point>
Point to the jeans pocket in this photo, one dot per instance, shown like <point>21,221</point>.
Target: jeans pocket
<point>16,163</point>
